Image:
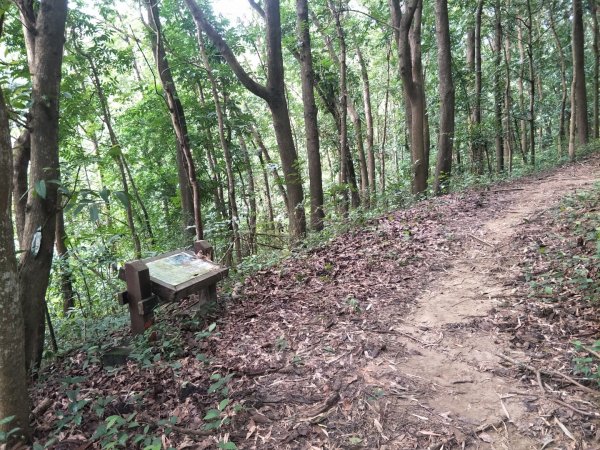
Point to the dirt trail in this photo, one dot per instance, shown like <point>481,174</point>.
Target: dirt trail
<point>458,363</point>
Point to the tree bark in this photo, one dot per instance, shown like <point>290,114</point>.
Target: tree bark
<point>22,155</point>
<point>369,122</point>
<point>66,279</point>
<point>347,175</point>
<point>362,160</point>
<point>251,196</point>
<point>499,142</point>
<point>14,398</point>
<point>563,84</point>
<point>478,148</point>
<point>508,136</point>
<point>176,112</point>
<point>413,89</point>
<point>577,44</point>
<point>531,112</point>
<point>522,121</point>
<point>446,133</point>
<point>40,222</point>
<point>212,163</point>
<point>596,50</point>
<point>382,181</point>
<point>278,180</point>
<point>233,210</point>
<point>270,213</point>
<point>311,127</point>
<point>274,95</point>
<point>116,154</point>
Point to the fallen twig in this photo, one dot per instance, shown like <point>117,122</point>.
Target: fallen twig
<point>329,403</point>
<point>548,372</point>
<point>42,407</point>
<point>536,215</point>
<point>577,410</point>
<point>481,240</point>
<point>591,352</point>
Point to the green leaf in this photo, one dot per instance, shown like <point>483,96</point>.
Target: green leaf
<point>223,404</point>
<point>110,422</point>
<point>212,414</point>
<point>355,440</point>
<point>94,213</point>
<point>227,445</point>
<point>212,327</point>
<point>7,420</point>
<point>122,197</point>
<point>40,188</point>
<point>104,193</point>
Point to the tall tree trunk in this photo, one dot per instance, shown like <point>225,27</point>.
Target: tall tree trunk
<point>369,122</point>
<point>523,121</point>
<point>278,180</point>
<point>251,195</point>
<point>48,26</point>
<point>573,121</point>
<point>274,95</point>
<point>577,44</point>
<point>499,143</point>
<point>531,112</point>
<point>22,155</point>
<point>443,167</point>
<point>310,117</point>
<point>364,173</point>
<point>140,202</point>
<point>508,136</point>
<point>348,175</point>
<point>385,124</point>
<point>14,398</point>
<point>212,163</point>
<point>234,216</point>
<point>117,155</point>
<point>563,84</point>
<point>596,49</point>
<point>478,147</point>
<point>176,112</point>
<point>413,88</point>
<point>270,213</point>
<point>66,279</point>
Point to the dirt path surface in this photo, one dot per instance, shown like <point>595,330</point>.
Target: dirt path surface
<point>387,337</point>
<point>414,360</point>
<point>465,374</point>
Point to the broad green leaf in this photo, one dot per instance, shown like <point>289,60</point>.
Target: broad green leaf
<point>94,213</point>
<point>223,404</point>
<point>122,197</point>
<point>40,188</point>
<point>212,414</point>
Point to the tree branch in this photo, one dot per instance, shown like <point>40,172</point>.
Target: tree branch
<point>257,8</point>
<point>244,78</point>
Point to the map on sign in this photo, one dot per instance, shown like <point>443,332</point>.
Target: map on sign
<point>179,268</point>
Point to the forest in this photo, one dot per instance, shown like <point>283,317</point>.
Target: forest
<point>404,193</point>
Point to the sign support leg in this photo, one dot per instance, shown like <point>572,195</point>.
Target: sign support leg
<point>137,277</point>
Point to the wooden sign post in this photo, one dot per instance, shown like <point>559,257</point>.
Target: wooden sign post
<point>169,277</point>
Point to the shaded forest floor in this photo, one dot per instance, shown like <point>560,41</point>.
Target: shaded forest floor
<point>419,330</point>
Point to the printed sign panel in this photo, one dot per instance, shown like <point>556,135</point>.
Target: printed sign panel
<point>179,268</point>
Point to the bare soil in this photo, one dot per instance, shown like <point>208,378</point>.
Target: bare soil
<point>385,338</point>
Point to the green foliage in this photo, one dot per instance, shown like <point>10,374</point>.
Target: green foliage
<point>588,366</point>
<point>6,435</point>
<point>161,342</point>
<point>575,269</point>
